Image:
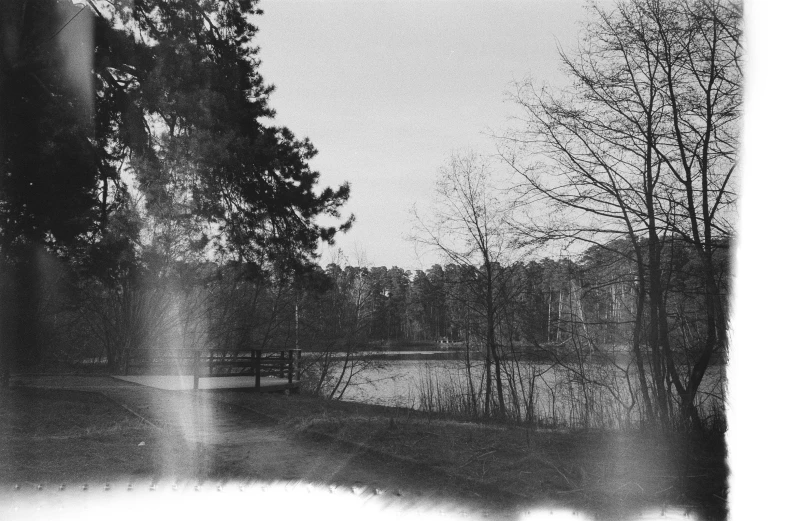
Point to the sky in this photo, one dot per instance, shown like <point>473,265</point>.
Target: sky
<point>387,91</point>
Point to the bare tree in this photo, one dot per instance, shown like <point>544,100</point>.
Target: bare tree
<point>642,146</point>
<point>468,225</point>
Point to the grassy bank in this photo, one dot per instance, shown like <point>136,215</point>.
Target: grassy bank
<point>606,472</point>
<point>57,436</point>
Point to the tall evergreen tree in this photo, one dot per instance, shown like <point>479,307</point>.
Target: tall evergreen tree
<point>169,94</point>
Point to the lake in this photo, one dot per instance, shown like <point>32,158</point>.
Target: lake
<point>561,396</point>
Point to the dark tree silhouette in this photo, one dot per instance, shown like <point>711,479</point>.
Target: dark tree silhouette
<point>169,94</point>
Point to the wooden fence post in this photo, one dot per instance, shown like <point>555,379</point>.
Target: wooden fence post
<point>196,370</point>
<point>257,356</point>
<point>281,364</point>
<point>290,367</point>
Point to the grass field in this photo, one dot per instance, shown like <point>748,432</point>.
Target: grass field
<point>51,437</point>
<point>55,436</point>
<point>601,471</point>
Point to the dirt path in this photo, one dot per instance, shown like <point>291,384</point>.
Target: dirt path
<point>210,439</point>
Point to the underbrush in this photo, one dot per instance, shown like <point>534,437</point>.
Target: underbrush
<point>590,397</point>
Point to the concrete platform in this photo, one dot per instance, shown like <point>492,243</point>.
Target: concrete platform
<point>185,382</point>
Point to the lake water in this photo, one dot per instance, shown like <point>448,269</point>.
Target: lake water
<point>560,395</point>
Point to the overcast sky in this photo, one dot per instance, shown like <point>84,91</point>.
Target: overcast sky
<point>388,90</point>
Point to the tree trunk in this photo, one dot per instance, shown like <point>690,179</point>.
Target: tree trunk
<point>548,319</point>
<point>491,338</point>
<point>641,297</point>
<point>559,317</point>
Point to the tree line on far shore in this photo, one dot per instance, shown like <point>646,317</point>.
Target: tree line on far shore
<point>560,311</point>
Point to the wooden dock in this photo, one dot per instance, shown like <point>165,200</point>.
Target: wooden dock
<point>185,382</point>
<point>214,369</point>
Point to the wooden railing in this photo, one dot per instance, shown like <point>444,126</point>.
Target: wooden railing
<point>218,362</point>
